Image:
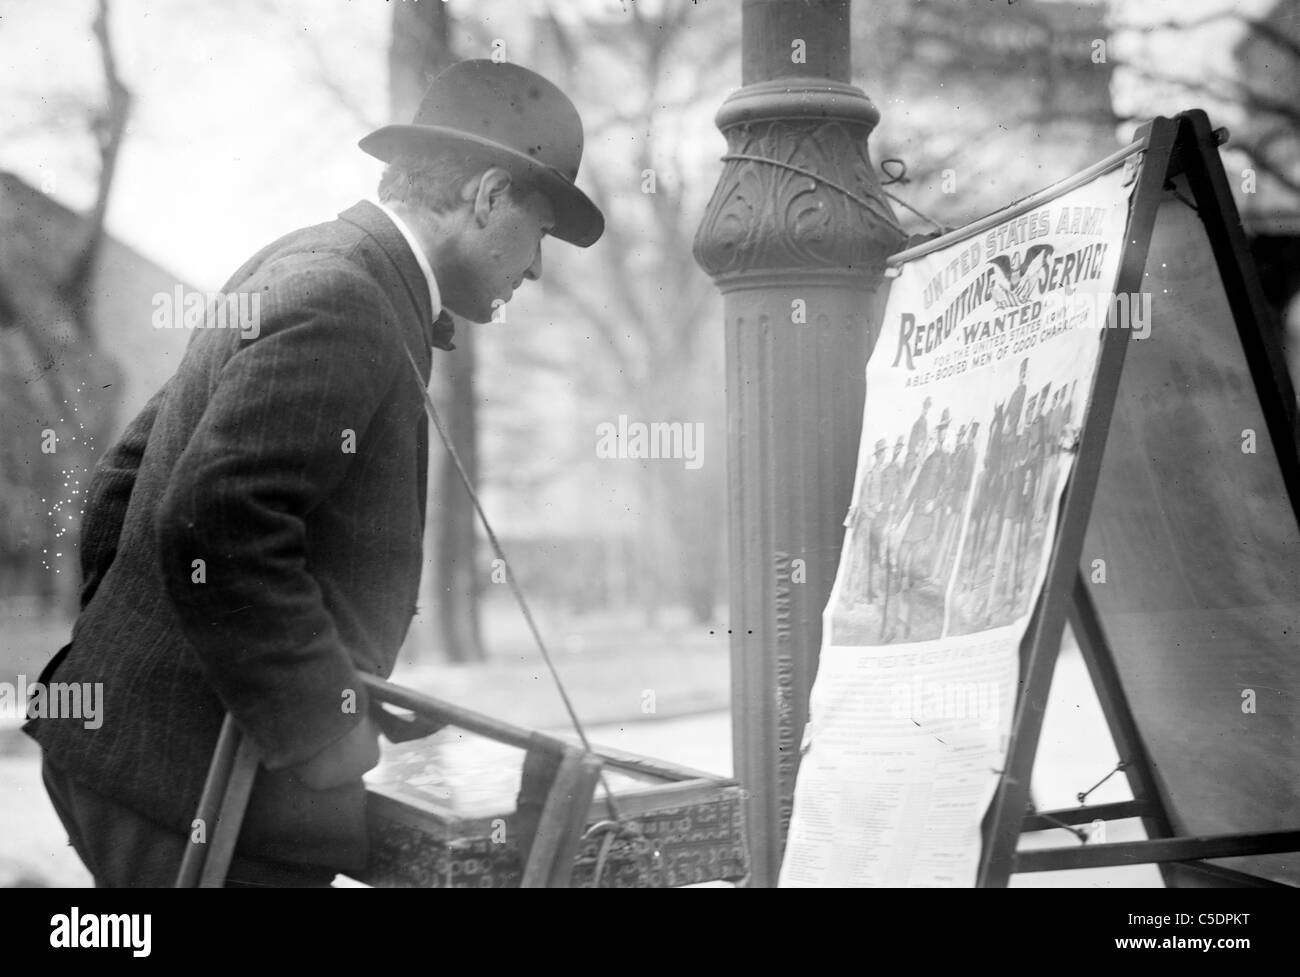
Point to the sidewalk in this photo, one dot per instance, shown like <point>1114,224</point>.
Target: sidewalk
<point>618,675</point>
<point>664,695</point>
<point>604,689</point>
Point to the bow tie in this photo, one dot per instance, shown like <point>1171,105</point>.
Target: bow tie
<point>443,329</point>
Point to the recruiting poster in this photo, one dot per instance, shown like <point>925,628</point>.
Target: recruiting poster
<point>976,391</point>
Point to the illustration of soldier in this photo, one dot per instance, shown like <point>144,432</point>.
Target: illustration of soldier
<point>943,512</point>
<point>916,441</point>
<point>865,520</point>
<point>986,510</point>
<point>891,488</point>
<point>961,475</point>
<point>1008,556</point>
<point>1017,401</point>
<point>1056,446</point>
<point>913,537</point>
<point>1040,455</point>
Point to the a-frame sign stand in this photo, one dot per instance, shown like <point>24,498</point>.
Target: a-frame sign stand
<point>1183,146</point>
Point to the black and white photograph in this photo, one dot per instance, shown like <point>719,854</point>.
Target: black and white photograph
<point>910,513</point>
<point>647,444</point>
<point>1010,503</point>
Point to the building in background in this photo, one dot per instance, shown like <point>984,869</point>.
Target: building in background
<point>52,378</point>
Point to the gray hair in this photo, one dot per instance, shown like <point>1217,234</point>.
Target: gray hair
<point>432,180</point>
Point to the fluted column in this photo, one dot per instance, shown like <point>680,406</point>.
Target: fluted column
<point>795,237</point>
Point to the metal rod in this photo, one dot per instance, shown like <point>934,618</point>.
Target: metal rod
<point>510,577</point>
<point>1019,207</point>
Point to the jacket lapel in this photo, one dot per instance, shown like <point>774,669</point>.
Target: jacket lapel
<point>388,239</point>
<point>420,330</point>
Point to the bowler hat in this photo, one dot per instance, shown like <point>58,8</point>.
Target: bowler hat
<point>512,117</point>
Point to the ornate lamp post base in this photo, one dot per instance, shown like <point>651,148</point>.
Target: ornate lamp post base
<point>795,237</point>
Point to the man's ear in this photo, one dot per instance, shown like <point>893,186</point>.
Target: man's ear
<point>493,186</point>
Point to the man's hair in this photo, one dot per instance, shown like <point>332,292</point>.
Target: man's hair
<point>434,180</point>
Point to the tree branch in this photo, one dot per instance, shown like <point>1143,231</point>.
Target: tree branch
<point>1259,159</point>
<point>110,127</point>
<point>1244,95</point>
<point>1261,27</point>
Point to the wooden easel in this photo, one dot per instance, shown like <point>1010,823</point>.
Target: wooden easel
<point>1185,147</point>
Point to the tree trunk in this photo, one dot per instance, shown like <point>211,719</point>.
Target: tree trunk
<point>452,577</point>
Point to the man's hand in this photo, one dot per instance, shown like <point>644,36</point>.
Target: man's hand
<point>344,761</point>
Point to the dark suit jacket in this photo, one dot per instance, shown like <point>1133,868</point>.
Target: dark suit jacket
<point>311,554</point>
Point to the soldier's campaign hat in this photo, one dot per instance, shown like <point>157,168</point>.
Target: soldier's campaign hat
<point>510,117</point>
<point>880,445</point>
<point>943,418</point>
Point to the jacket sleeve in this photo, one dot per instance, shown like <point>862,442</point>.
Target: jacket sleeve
<point>271,444</point>
<point>108,496</point>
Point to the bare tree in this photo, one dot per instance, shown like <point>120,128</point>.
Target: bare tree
<point>648,305</point>
<point>109,128</point>
<point>1265,93</point>
<point>421,48</point>
<point>53,367</point>
<point>1260,92</point>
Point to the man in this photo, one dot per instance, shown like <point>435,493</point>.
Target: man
<point>875,514</point>
<point>961,472</point>
<point>1055,426</point>
<point>253,542</point>
<point>942,517</point>
<point>1040,455</point>
<point>864,520</point>
<point>916,440</point>
<point>1018,511</point>
<point>913,537</point>
<point>1017,401</point>
<point>891,485</point>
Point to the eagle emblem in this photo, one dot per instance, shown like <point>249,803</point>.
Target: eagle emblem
<point>1016,283</point>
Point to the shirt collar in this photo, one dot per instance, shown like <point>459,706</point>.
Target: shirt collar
<point>435,296</point>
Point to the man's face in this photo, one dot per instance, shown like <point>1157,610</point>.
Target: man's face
<point>501,252</point>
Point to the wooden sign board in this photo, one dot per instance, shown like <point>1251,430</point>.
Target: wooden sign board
<point>1177,555</point>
